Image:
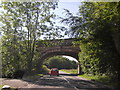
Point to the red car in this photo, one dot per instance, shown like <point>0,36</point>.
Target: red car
<point>54,71</point>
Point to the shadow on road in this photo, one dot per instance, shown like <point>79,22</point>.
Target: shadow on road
<point>63,81</point>
<point>50,81</point>
<point>72,82</point>
<point>70,74</point>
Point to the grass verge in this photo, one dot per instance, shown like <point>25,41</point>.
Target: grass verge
<point>102,79</point>
<point>1,87</point>
<point>72,71</point>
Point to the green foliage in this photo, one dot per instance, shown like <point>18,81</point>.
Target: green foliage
<point>60,63</point>
<point>102,79</point>
<point>97,58</point>
<point>45,70</point>
<point>72,71</point>
<point>97,25</point>
<point>1,87</point>
<point>99,53</point>
<point>23,23</point>
<point>41,75</point>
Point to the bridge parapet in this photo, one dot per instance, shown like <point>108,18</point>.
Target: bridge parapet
<point>57,42</point>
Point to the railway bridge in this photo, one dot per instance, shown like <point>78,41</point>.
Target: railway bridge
<point>49,48</point>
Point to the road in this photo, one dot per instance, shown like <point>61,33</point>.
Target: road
<point>63,81</point>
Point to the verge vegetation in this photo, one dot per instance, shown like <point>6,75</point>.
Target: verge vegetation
<point>71,71</point>
<point>1,87</point>
<point>102,79</point>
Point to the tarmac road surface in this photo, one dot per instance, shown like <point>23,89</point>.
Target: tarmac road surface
<point>63,82</point>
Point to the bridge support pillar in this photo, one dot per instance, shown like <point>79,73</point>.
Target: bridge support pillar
<point>79,69</point>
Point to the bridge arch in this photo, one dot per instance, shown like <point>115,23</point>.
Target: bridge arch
<point>73,52</point>
<point>65,48</point>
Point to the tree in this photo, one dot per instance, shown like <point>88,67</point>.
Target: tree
<point>23,23</point>
<point>60,63</point>
<point>98,28</point>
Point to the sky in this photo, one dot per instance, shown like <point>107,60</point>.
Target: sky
<point>73,7</point>
<point>70,58</point>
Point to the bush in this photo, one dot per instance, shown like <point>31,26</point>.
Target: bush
<point>7,72</point>
<point>18,74</point>
<point>44,70</point>
<point>99,58</point>
<point>60,63</point>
